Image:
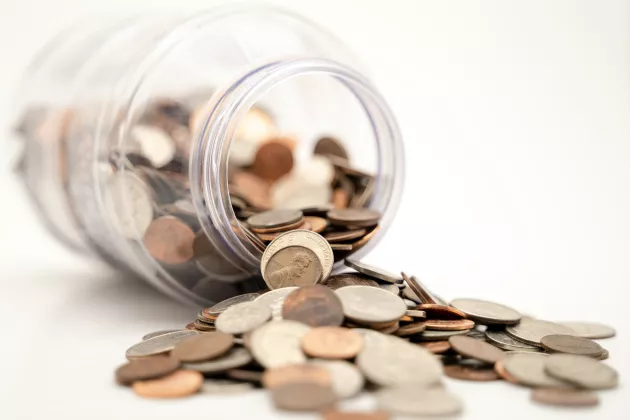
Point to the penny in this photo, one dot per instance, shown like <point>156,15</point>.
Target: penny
<point>344,236</point>
<point>225,386</point>
<point>416,314</point>
<point>565,397</point>
<point>449,325</point>
<point>590,329</point>
<point>275,218</point>
<point>157,333</point>
<point>275,377</point>
<point>503,341</point>
<point>146,368</point>
<point>529,370</point>
<point>220,307</point>
<point>372,271</point>
<point>388,329</point>
<point>582,371</point>
<point>243,317</point>
<point>315,306</point>
<point>275,299</point>
<point>531,331</point>
<point>292,266</point>
<point>432,335</point>
<point>437,347</point>
<point>364,304</point>
<point>437,311</point>
<point>203,347</point>
<point>486,312</point>
<point>159,344</point>
<point>178,384</point>
<point>278,343</point>
<point>348,279</point>
<point>332,343</point>
<point>303,396</point>
<point>414,400</point>
<point>273,160</point>
<point>235,358</point>
<point>254,189</point>
<point>411,329</point>
<point>476,349</point>
<point>361,242</point>
<point>318,224</point>
<point>245,375</point>
<point>499,368</point>
<point>359,217</point>
<point>169,240</point>
<point>420,293</point>
<point>470,374</point>
<point>330,146</point>
<point>347,380</point>
<point>571,345</point>
<point>354,415</point>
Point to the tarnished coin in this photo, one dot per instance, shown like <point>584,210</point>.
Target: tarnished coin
<point>411,329</point>
<point>223,305</point>
<point>503,341</point>
<point>180,383</point>
<point>437,347</point>
<point>235,358</point>
<point>273,160</point>
<point>354,415</point>
<point>432,335</point>
<point>373,271</point>
<point>437,311</point>
<point>292,266</point>
<point>243,317</point>
<point>591,330</point>
<point>169,240</point>
<point>531,331</point>
<point>470,374</point>
<point>449,325</point>
<point>274,218</point>
<point>203,347</point>
<point>330,146</point>
<point>571,345</point>
<point>344,236</point>
<point>486,312</point>
<point>414,400</point>
<point>476,349</point>
<point>348,279</point>
<point>332,343</point>
<point>582,371</point>
<point>275,299</point>
<point>360,217</point>
<point>157,333</point>
<point>347,380</point>
<point>315,306</point>
<point>146,368</point>
<point>318,224</point>
<point>159,344</point>
<point>565,397</point>
<point>364,304</point>
<point>278,343</point>
<point>275,377</point>
<point>225,387</point>
<point>529,369</point>
<point>303,396</point>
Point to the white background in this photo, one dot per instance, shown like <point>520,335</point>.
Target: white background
<point>517,132</point>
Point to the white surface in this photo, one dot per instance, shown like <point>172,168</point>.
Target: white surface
<point>515,116</point>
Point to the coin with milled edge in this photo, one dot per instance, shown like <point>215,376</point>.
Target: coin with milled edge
<point>529,370</point>
<point>449,325</point>
<point>243,317</point>
<point>571,345</point>
<point>157,333</point>
<point>417,291</point>
<point>347,380</point>
<point>503,341</point>
<point>278,343</point>
<point>470,374</point>
<point>245,375</point>
<point>591,330</point>
<point>146,368</point>
<point>159,344</point>
<point>235,358</point>
<point>332,343</point>
<point>373,271</point>
<point>486,312</point>
<point>581,371</point>
<point>476,349</point>
<point>292,266</point>
<point>275,377</point>
<point>416,314</point>
<point>360,217</point>
<point>344,236</point>
<point>223,305</point>
<point>275,299</point>
<point>414,400</point>
<point>565,397</point>
<point>531,331</point>
<point>178,384</point>
<point>315,306</point>
<point>203,347</point>
<point>364,304</point>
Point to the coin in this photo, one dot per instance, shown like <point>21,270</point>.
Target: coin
<point>470,374</point>
<point>347,380</point>
<point>273,160</point>
<point>503,341</point>
<point>416,314</point>
<point>318,224</point>
<point>572,345</point>
<point>531,331</point>
<point>437,347</point>
<point>354,415</point>
<point>275,377</point>
<point>390,288</point>
<point>499,368</point>
<point>123,188</point>
<point>146,368</point>
<point>155,144</point>
<point>437,311</point>
<point>591,330</point>
<point>565,397</point>
<point>605,354</point>
<point>157,333</point>
<point>476,349</point>
<point>432,335</point>
<point>274,218</point>
<point>243,317</point>
<point>359,217</point>
<point>529,370</point>
<point>340,247</point>
<point>252,188</point>
<point>303,396</point>
<point>292,266</point>
<point>235,358</point>
<point>180,383</point>
<point>344,236</point>
<point>372,271</point>
<point>418,292</point>
<point>203,347</point>
<point>581,371</point>
<point>330,146</point>
<point>486,312</point>
<point>366,304</point>
<point>159,344</point>
<point>348,279</point>
<point>220,307</point>
<point>361,242</point>
<point>314,306</point>
<point>414,400</point>
<point>169,240</point>
<point>245,375</point>
<point>411,329</point>
<point>225,387</point>
<point>449,325</point>
<point>275,300</point>
<point>278,343</point>
<point>332,343</point>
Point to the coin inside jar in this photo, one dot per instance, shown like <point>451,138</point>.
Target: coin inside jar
<point>169,240</point>
<point>273,160</point>
<point>293,266</point>
<point>274,219</point>
<point>360,217</point>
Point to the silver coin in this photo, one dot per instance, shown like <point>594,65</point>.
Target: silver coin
<point>414,400</point>
<point>405,362</point>
<point>159,344</point>
<point>408,293</point>
<point>590,330</point>
<point>128,200</point>
<point>391,288</point>
<point>224,304</point>
<point>243,317</point>
<point>582,371</point>
<point>274,218</point>
<point>529,369</point>
<point>155,144</point>
<point>373,271</point>
<point>157,334</point>
<point>531,331</point>
<point>292,192</point>
<point>278,343</point>
<point>365,304</point>
<point>275,299</point>
<point>486,312</point>
<point>503,341</point>
<point>225,387</point>
<point>410,303</point>
<point>347,380</point>
<point>233,359</point>
<point>431,335</point>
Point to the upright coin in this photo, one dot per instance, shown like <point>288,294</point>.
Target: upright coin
<point>274,218</point>
<point>591,330</point>
<point>275,377</point>
<point>476,349</point>
<point>243,317</point>
<point>410,400</point>
<point>303,396</point>
<point>203,347</point>
<point>146,368</point>
<point>364,304</point>
<point>159,344</point>
<point>278,343</point>
<point>360,217</point>
<point>275,299</point>
<point>503,341</point>
<point>330,146</point>
<point>486,312</point>
<point>564,397</point>
<point>571,345</point>
<point>225,304</point>
<point>581,371</point>
<point>169,240</point>
<point>347,380</point>
<point>348,279</point>
<point>332,343</point>
<point>292,266</point>
<point>235,358</point>
<point>531,331</point>
<point>273,160</point>
<point>178,384</point>
<point>529,370</point>
<point>315,306</point>
<point>373,271</point>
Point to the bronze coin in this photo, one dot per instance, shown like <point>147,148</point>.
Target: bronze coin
<point>470,374</point>
<point>558,343</point>
<point>203,326</point>
<point>389,329</point>
<point>275,218</point>
<point>435,311</point>
<point>273,160</point>
<point>437,347</point>
<point>340,198</point>
<point>330,146</point>
<point>355,415</point>
<point>565,397</point>
<point>344,236</point>
<point>190,326</point>
<point>476,349</point>
<point>146,368</point>
<point>245,375</point>
<point>332,343</point>
<point>169,240</point>
<point>303,396</point>
<point>268,237</point>
<point>318,224</point>
<point>407,318</point>
<point>499,368</point>
<point>411,329</point>
<point>275,377</point>
<point>180,383</point>
<point>354,217</point>
<point>449,325</point>
<point>203,347</point>
<point>253,189</point>
<point>317,306</point>
<point>348,279</point>
<point>419,290</point>
<point>293,266</point>
<point>363,241</point>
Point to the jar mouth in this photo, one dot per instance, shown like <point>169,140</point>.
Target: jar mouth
<point>209,157</point>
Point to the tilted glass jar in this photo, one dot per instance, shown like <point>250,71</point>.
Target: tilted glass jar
<point>85,95</point>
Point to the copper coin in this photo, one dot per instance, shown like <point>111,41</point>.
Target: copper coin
<point>330,146</point>
<point>146,368</point>
<point>275,377</point>
<point>340,198</point>
<point>203,347</point>
<point>332,343</point>
<point>499,368</point>
<point>476,349</point>
<point>316,306</point>
<point>354,217</point>
<point>293,266</point>
<point>435,311</point>
<point>470,374</point>
<point>169,240</point>
<point>344,236</point>
<point>390,329</point>
<point>303,396</point>
<point>363,241</point>
<point>407,318</point>
<point>273,160</point>
<point>419,290</point>
<point>411,329</point>
<point>565,397</point>
<point>449,325</point>
<point>348,279</point>
<point>203,326</point>
<point>318,224</point>
<point>180,383</point>
<point>355,415</point>
<point>437,347</point>
<point>253,189</point>
<point>559,343</point>
<point>275,218</point>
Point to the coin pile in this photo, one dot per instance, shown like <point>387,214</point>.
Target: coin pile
<point>314,339</point>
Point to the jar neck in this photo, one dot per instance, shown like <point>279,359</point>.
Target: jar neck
<point>209,158</point>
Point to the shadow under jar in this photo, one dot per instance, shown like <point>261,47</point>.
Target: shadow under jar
<point>148,142</point>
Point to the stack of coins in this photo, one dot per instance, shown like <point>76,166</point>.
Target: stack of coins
<point>314,339</point>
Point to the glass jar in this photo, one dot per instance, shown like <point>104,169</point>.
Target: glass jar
<point>212,82</point>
